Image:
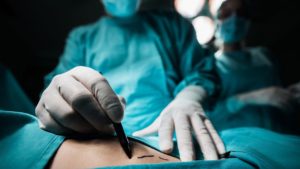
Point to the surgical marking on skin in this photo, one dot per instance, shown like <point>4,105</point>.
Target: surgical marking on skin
<point>163,158</point>
<point>144,156</point>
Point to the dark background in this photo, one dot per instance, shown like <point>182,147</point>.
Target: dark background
<point>33,32</point>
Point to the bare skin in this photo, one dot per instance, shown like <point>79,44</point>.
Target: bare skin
<point>104,152</point>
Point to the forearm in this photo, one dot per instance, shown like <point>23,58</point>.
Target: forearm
<point>235,103</point>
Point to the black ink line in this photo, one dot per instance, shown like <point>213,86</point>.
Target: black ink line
<point>144,156</point>
<point>163,158</point>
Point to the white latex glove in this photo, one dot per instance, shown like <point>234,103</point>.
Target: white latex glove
<point>295,91</point>
<point>79,101</point>
<point>272,96</point>
<point>185,115</point>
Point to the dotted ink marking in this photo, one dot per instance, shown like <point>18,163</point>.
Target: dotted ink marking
<point>163,158</point>
<point>145,156</point>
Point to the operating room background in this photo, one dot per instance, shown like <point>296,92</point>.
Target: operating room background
<point>33,34</point>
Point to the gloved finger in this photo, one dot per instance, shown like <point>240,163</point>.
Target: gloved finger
<point>279,101</point>
<point>204,139</point>
<point>122,101</point>
<point>165,133</point>
<point>283,102</point>
<point>215,137</point>
<point>64,113</point>
<point>47,123</point>
<point>294,88</point>
<point>184,138</point>
<point>83,102</point>
<point>100,88</point>
<point>152,128</point>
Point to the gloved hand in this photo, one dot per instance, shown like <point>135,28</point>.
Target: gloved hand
<point>185,115</point>
<point>272,96</point>
<point>79,101</point>
<point>295,91</point>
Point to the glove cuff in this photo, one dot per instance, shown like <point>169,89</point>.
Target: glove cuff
<point>196,93</point>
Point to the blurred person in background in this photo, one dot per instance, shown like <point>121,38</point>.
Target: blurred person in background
<point>151,58</point>
<point>251,93</point>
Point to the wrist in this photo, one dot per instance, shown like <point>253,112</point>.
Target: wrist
<point>195,93</point>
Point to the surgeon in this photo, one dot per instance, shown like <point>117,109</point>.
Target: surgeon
<point>151,60</point>
<point>251,93</point>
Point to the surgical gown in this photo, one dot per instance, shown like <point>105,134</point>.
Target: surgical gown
<point>24,145</point>
<point>241,72</point>
<point>147,59</point>
<point>12,95</point>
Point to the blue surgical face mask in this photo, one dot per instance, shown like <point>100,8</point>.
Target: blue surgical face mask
<point>233,29</point>
<point>121,8</point>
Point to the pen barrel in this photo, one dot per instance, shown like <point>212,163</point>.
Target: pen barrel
<point>123,138</point>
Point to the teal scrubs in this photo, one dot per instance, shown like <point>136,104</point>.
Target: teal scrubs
<point>147,59</point>
<point>12,95</point>
<point>24,145</point>
<point>241,72</point>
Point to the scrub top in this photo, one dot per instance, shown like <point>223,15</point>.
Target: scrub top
<point>147,58</point>
<point>12,95</point>
<point>24,145</point>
